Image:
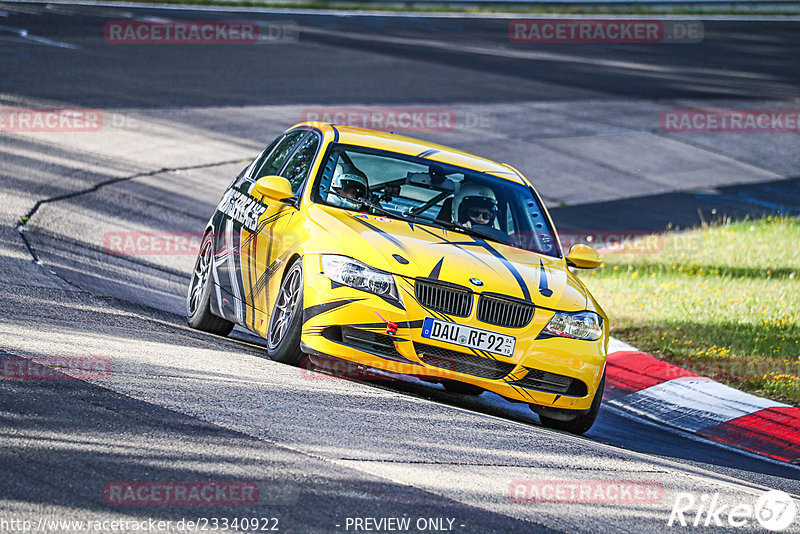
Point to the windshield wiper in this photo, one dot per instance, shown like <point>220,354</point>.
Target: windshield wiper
<point>377,207</point>
<point>368,203</point>
<point>450,225</point>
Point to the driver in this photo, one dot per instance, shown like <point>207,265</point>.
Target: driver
<point>351,184</point>
<point>475,205</point>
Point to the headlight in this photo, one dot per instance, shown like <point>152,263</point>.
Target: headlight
<point>582,325</point>
<point>353,273</point>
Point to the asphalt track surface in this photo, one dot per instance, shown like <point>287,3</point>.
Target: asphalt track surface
<point>181,121</point>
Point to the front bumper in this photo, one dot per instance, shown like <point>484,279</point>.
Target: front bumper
<point>349,324</point>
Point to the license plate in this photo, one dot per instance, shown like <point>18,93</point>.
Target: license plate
<point>466,336</point>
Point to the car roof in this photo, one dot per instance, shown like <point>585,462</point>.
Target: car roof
<point>351,135</point>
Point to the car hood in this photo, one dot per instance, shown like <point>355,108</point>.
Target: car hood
<point>448,256</point>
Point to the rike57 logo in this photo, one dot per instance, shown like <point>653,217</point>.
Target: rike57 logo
<point>775,510</point>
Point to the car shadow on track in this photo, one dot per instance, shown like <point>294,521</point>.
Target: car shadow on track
<point>613,426</point>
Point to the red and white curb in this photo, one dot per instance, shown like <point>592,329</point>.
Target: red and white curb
<point>657,390</point>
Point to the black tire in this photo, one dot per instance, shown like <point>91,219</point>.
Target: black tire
<point>462,388</point>
<point>283,335</point>
<point>582,423</point>
<point>198,298</point>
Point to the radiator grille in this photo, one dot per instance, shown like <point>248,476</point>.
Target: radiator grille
<point>442,298</point>
<point>552,383</point>
<point>504,312</point>
<point>469,364</point>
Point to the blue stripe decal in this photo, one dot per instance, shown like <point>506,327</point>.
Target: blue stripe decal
<point>526,294</point>
<point>436,270</point>
<point>382,233</point>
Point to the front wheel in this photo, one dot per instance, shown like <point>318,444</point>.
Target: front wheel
<point>283,336</point>
<point>198,299</point>
<point>582,423</point>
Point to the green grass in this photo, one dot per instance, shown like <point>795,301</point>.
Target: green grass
<point>722,300</point>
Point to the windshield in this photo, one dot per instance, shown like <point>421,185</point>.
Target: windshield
<point>435,194</point>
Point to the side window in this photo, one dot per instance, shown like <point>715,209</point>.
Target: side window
<point>248,172</point>
<point>274,159</point>
<point>298,166</point>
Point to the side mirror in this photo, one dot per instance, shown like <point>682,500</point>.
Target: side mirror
<point>274,187</point>
<point>583,257</point>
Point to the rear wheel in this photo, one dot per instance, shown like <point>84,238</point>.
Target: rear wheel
<point>198,299</point>
<point>581,423</point>
<point>283,336</point>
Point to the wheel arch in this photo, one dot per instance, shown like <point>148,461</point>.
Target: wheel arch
<point>294,257</point>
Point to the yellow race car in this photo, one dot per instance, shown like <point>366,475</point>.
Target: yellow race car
<point>408,257</point>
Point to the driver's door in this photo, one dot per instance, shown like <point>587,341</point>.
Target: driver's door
<point>265,254</point>
<point>243,216</point>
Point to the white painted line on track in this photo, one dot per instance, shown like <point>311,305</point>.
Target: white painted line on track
<point>616,345</point>
<point>693,403</point>
<point>23,35</point>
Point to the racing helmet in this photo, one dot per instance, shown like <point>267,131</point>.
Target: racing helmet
<point>474,198</point>
<point>344,182</point>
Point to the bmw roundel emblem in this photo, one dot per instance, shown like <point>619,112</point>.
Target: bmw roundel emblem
<point>476,282</point>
